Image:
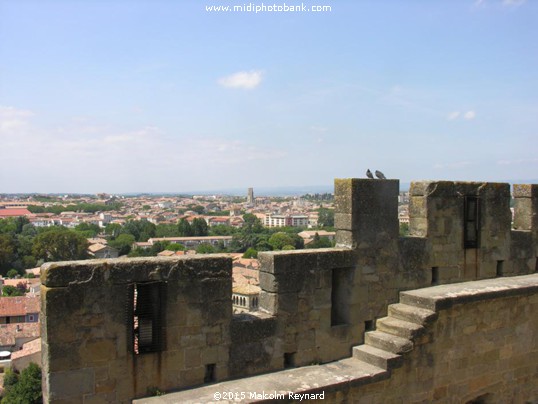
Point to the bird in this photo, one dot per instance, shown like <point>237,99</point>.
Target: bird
<point>369,174</point>
<point>380,175</point>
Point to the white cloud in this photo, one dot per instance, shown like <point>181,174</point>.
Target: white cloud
<point>91,157</point>
<point>469,115</point>
<point>513,3</point>
<point>13,118</point>
<point>454,115</point>
<point>505,3</point>
<point>244,80</point>
<point>517,162</point>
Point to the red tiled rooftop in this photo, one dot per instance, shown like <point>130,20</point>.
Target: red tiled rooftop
<point>19,305</point>
<point>13,212</point>
<point>10,332</point>
<point>28,349</point>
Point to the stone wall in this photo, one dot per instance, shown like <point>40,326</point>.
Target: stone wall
<point>315,305</point>
<point>472,342</point>
<point>87,327</point>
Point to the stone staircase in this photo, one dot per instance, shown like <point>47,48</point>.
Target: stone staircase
<point>395,335</point>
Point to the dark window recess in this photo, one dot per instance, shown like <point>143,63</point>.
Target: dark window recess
<point>209,373</point>
<point>500,269</point>
<point>146,320</point>
<point>471,222</point>
<point>340,296</point>
<point>289,360</point>
<point>369,325</point>
<point>435,275</point>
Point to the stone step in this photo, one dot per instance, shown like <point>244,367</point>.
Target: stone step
<point>388,342</point>
<point>398,327</point>
<point>412,314</point>
<point>377,357</point>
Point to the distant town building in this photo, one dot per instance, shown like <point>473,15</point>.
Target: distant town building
<point>13,212</point>
<point>308,235</point>
<point>189,242</point>
<point>286,220</point>
<point>20,309</point>
<point>245,298</point>
<point>250,197</point>
<point>98,250</point>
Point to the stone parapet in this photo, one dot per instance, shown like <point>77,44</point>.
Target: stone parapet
<point>91,330</point>
<point>476,342</point>
<point>122,328</point>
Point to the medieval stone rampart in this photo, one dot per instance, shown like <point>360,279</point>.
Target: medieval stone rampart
<point>118,329</point>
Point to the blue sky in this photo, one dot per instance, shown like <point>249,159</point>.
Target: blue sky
<point>163,96</point>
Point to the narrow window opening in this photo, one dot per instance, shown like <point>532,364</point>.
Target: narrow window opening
<point>340,293</point>
<point>209,376</point>
<point>289,360</point>
<point>147,317</point>
<point>471,222</point>
<point>369,325</point>
<point>435,275</point>
<point>500,268</point>
<point>536,265</point>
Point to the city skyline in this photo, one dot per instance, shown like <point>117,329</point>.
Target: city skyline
<point>124,97</point>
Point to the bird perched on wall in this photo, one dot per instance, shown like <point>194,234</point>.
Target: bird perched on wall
<point>380,175</point>
<point>369,174</point>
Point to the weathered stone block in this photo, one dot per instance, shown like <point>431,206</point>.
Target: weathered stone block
<point>525,190</point>
<point>268,302</point>
<point>71,384</point>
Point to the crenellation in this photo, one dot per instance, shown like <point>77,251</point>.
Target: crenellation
<point>313,306</point>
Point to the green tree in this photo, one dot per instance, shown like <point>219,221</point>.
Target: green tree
<point>7,252</point>
<point>157,247</point>
<point>197,208</point>
<point>205,248</point>
<point>325,217</point>
<point>140,252</point>
<point>10,378</point>
<point>28,230</point>
<point>12,273</point>
<point>87,230</point>
<point>281,239</point>
<point>27,389</point>
<point>250,253</point>
<point>20,222</point>
<point>199,227</point>
<point>60,245</point>
<point>123,243</point>
<point>175,247</point>
<point>113,229</point>
<point>11,291</point>
<point>185,229</point>
<point>142,230</point>
<point>222,230</point>
<point>8,226</point>
<point>404,229</point>
<point>252,224</point>
<point>319,242</point>
<point>166,230</point>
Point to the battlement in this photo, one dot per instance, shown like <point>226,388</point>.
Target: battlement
<point>113,330</point>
